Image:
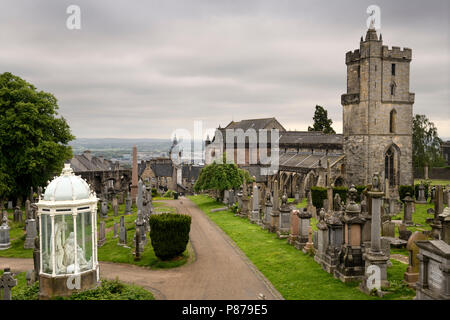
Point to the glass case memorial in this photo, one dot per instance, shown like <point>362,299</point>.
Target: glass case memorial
<point>67,227</point>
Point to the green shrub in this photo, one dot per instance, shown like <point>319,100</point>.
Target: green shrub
<point>342,191</point>
<point>404,189</point>
<point>169,233</point>
<point>318,194</point>
<point>154,192</point>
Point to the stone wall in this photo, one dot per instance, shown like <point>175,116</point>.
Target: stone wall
<point>433,173</point>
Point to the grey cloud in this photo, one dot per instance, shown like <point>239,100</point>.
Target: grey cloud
<point>145,68</point>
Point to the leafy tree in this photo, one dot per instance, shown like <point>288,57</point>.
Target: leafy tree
<point>33,140</point>
<point>321,121</point>
<point>426,143</point>
<point>221,177</point>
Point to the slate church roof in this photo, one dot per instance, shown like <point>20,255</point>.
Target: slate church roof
<point>86,162</point>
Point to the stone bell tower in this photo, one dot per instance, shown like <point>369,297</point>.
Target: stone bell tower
<point>377,113</point>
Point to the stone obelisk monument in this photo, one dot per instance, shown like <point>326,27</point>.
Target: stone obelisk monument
<point>134,175</point>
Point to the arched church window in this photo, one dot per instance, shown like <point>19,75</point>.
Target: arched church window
<point>389,166</point>
<point>392,89</point>
<point>392,119</point>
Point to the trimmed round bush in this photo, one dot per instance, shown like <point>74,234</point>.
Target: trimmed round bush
<point>169,233</point>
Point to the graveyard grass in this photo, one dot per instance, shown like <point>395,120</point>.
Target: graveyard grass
<point>109,290</point>
<point>110,251</point>
<point>294,274</point>
<point>434,182</point>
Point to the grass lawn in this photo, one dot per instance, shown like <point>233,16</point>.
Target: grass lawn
<point>294,274</point>
<point>434,182</point>
<point>110,251</point>
<point>109,290</point>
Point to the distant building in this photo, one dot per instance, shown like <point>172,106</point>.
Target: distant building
<point>445,150</point>
<point>101,173</point>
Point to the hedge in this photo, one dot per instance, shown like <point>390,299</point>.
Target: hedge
<point>404,189</point>
<point>319,194</point>
<point>169,233</point>
<point>154,192</point>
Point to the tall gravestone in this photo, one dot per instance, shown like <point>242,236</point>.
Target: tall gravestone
<point>122,232</point>
<point>128,203</point>
<point>293,232</point>
<point>275,213</point>
<point>101,234</point>
<point>255,217</point>
<point>245,200</point>
<point>407,216</point>
<point>322,238</point>
<point>284,218</point>
<point>267,210</point>
<point>375,256</point>
<point>104,208</point>
<point>330,258</point>
<point>31,228</point>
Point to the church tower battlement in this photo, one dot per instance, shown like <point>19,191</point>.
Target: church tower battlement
<point>378,112</point>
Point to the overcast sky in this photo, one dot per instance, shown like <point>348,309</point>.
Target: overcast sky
<point>141,69</point>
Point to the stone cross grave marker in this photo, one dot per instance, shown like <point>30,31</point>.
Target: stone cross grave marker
<point>7,282</point>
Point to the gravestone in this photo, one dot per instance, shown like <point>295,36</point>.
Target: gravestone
<point>115,230</point>
<point>137,240</point>
<point>284,218</point>
<point>10,205</point>
<point>293,232</point>
<point>104,208</point>
<point>18,216</point>
<point>309,246</point>
<point>116,210</point>
<point>114,202</point>
<point>435,223</point>
<point>101,234</point>
<point>122,232</point>
<point>330,258</point>
<point>303,226</point>
<point>4,234</point>
<point>128,203</point>
<point>445,221</point>
<point>374,255</point>
<point>412,272</point>
<point>275,213</point>
<point>407,213</point>
<point>322,238</point>
<point>268,211</point>
<point>31,230</point>
<point>421,196</point>
<point>388,229</point>
<point>404,233</point>
<point>255,217</point>
<point>7,282</point>
<point>121,198</point>
<point>434,275</point>
<point>316,239</point>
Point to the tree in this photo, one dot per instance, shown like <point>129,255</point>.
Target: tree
<point>426,143</point>
<point>221,177</point>
<point>33,140</point>
<point>321,121</point>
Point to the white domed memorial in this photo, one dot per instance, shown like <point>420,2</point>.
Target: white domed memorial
<point>67,231</point>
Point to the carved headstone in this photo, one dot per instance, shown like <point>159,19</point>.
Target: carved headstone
<point>7,282</point>
<point>101,234</point>
<point>115,230</point>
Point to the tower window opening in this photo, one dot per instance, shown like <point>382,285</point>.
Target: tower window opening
<point>392,119</point>
<point>392,89</point>
<point>359,71</point>
<point>393,69</point>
